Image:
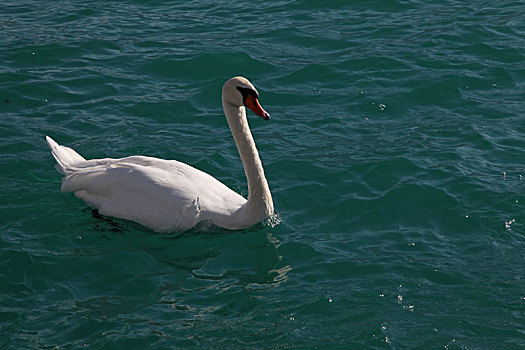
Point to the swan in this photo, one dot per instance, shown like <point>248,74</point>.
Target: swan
<point>168,195</point>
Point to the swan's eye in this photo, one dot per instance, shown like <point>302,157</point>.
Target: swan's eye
<point>245,92</point>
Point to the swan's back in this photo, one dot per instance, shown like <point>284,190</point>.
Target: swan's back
<point>164,195</point>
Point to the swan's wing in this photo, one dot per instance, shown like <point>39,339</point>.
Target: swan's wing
<point>160,194</point>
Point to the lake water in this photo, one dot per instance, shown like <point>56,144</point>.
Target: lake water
<point>395,154</point>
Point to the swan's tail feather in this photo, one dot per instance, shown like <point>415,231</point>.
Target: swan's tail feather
<point>66,157</point>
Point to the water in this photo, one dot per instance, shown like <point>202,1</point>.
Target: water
<point>394,153</point>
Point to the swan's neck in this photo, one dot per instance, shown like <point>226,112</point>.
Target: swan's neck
<point>260,204</point>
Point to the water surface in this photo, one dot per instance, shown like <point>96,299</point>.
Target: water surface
<point>394,153</point>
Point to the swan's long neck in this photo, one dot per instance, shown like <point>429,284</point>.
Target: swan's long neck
<point>260,204</point>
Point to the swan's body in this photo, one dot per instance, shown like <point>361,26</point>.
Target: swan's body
<point>167,195</point>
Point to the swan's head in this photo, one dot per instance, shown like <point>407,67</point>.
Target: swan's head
<point>238,91</point>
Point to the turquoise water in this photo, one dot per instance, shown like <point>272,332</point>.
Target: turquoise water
<point>394,153</point>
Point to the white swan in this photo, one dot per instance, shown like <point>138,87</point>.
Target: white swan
<point>167,195</point>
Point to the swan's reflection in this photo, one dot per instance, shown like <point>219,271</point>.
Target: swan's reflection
<point>193,277</point>
<point>250,259</point>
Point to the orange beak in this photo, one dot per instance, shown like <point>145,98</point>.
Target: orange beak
<point>253,104</point>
